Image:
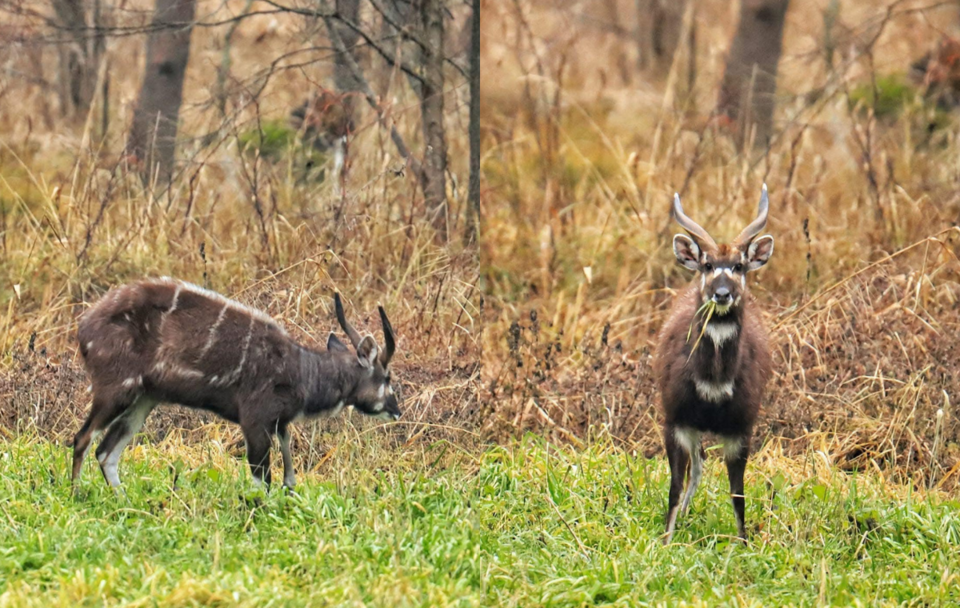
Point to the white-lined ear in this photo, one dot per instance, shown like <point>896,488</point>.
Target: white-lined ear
<point>687,252</point>
<point>759,252</point>
<point>367,351</point>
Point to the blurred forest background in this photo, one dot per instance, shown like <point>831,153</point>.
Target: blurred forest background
<point>596,111</point>
<point>275,152</point>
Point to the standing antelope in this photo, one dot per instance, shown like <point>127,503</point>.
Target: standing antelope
<point>166,340</point>
<point>714,386</point>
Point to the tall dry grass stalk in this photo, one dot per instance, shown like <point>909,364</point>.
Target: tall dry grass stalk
<point>76,221</point>
<point>861,294</point>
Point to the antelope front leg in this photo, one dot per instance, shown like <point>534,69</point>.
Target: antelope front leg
<point>289,478</point>
<point>735,453</point>
<point>677,457</point>
<point>258,453</point>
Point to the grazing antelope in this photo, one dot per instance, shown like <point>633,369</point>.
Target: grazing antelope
<point>714,386</point>
<point>164,340</point>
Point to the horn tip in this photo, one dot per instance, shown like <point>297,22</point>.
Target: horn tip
<point>764,186</point>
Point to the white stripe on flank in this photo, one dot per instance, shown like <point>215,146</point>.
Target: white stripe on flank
<point>162,368</point>
<point>259,314</point>
<point>212,336</point>
<point>173,307</point>
<point>212,295</point>
<point>243,356</point>
<point>715,392</point>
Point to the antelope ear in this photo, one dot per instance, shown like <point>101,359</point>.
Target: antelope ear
<point>759,252</point>
<point>367,351</point>
<point>334,344</point>
<point>687,252</point>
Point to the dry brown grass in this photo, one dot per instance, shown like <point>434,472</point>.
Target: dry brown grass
<point>75,223</point>
<point>861,295</point>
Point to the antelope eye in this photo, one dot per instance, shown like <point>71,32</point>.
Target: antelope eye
<point>708,266</point>
<point>738,268</point>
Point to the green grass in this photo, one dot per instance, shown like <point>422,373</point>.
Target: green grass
<point>527,525</point>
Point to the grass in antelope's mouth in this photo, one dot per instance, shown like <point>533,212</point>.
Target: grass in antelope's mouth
<point>705,312</point>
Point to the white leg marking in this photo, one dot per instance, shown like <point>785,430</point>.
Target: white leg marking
<point>289,478</point>
<point>714,391</point>
<point>696,472</point>
<point>689,439</point>
<point>133,420</point>
<point>731,447</point>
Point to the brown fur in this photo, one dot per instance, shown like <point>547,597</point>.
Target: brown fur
<point>167,341</point>
<point>712,378</point>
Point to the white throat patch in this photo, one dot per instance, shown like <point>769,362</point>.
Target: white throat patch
<point>714,391</point>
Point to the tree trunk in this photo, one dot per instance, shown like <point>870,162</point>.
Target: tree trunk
<point>473,190</point>
<point>343,77</point>
<point>153,133</point>
<point>659,24</point>
<point>750,79</point>
<point>80,55</point>
<point>433,174</point>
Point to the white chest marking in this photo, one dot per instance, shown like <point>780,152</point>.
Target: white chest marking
<point>721,332</point>
<point>714,391</point>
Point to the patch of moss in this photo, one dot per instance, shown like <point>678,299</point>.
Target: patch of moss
<point>277,142</point>
<point>888,99</point>
<point>273,138</point>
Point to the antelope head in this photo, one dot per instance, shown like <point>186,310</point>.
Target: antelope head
<point>372,394</point>
<point>723,268</point>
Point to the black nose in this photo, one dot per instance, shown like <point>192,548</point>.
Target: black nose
<point>721,295</point>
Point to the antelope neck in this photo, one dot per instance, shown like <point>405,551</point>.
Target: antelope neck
<point>716,359</point>
<point>324,382</point>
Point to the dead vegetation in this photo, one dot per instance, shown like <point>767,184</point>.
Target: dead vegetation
<point>861,293</point>
<point>240,219</point>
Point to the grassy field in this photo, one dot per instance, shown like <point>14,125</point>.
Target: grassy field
<point>527,524</point>
<point>527,469</point>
